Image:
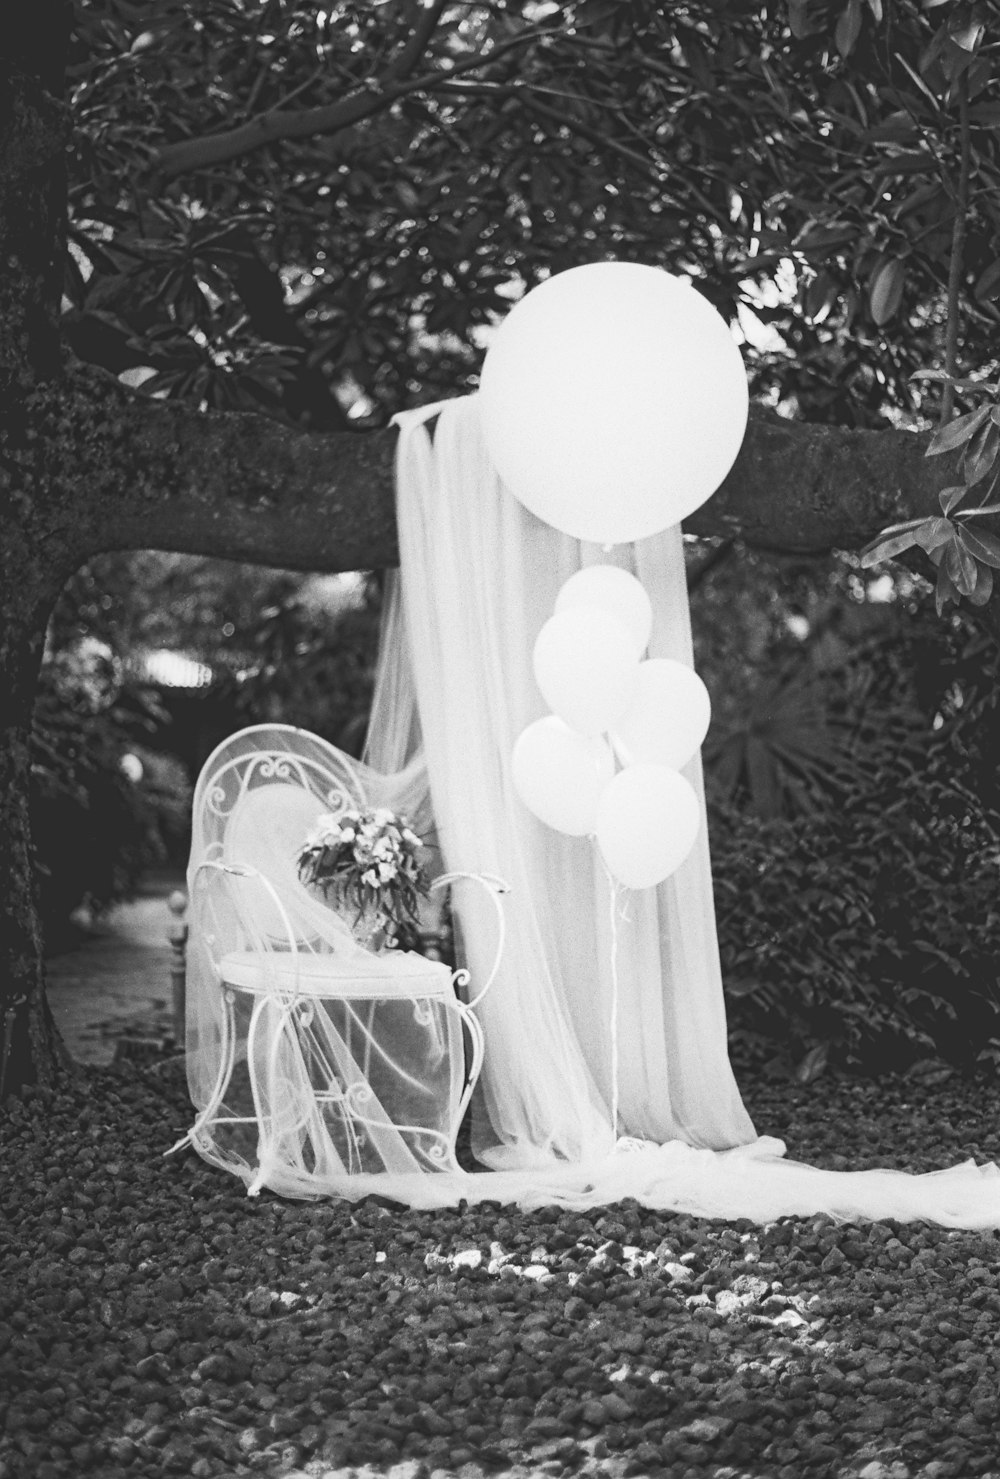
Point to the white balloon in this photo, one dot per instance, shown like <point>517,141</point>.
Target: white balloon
<point>611,589</point>
<point>614,401</point>
<point>560,774</point>
<point>647,822</point>
<point>668,717</point>
<point>586,666</point>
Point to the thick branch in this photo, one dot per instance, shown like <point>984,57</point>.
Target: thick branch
<point>268,128</point>
<point>109,468</point>
<point>162,475</point>
<point>806,489</point>
<point>427,18</point>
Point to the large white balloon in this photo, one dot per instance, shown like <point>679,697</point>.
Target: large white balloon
<point>586,667</point>
<point>647,822</point>
<point>560,774</point>
<point>611,589</point>
<point>668,717</point>
<point>614,401</point>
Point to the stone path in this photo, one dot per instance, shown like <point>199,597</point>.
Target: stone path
<point>116,983</point>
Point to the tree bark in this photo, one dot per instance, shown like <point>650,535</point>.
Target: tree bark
<point>31,1050</point>
<point>160,475</point>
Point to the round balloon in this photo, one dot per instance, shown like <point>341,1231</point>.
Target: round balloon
<point>586,665</point>
<point>609,588</point>
<point>647,821</point>
<point>613,401</point>
<point>559,774</point>
<point>668,718</point>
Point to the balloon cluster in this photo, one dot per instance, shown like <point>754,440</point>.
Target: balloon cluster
<point>614,401</point>
<point>609,704</point>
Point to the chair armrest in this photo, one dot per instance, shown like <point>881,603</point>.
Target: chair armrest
<point>495,886</point>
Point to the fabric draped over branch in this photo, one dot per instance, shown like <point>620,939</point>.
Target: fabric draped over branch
<point>479,575</point>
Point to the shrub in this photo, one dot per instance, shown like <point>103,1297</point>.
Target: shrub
<point>866,933</point>
<point>95,828</point>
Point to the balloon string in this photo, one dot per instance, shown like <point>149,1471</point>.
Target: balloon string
<point>613,889</point>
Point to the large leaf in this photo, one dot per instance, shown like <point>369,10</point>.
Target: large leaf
<point>891,542</point>
<point>885,290</point>
<point>960,567</point>
<point>957,432</point>
<point>934,532</point>
<point>981,451</point>
<point>848,27</point>
<point>981,545</point>
<point>984,586</point>
<point>950,498</point>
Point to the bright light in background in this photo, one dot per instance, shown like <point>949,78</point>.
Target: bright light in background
<point>881,589</point>
<point>132,767</point>
<point>334,594</point>
<point>174,670</point>
<point>781,290</point>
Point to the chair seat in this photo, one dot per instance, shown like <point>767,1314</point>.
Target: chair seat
<point>392,974</point>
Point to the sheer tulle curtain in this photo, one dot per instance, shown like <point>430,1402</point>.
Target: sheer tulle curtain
<point>479,577</point>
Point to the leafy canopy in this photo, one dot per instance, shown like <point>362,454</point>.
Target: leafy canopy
<point>311,209</point>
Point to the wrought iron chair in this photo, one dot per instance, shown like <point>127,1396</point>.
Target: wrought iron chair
<point>311,1060</point>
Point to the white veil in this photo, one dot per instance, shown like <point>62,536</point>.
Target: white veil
<point>479,575</point>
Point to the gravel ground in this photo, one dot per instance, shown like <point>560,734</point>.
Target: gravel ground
<point>154,1321</point>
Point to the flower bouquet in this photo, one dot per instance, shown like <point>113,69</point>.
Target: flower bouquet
<point>366,862</point>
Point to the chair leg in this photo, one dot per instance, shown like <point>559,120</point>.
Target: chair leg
<point>225,1073</point>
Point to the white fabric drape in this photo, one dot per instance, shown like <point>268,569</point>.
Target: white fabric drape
<point>479,578</point>
<point>479,575</point>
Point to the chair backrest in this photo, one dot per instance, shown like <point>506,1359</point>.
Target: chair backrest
<point>257,798</point>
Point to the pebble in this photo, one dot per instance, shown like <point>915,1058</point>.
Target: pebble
<point>705,1429</point>
<point>199,1332</point>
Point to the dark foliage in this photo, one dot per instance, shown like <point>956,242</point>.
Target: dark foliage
<point>355,261</point>
<point>308,667</point>
<point>96,829</point>
<point>865,930</point>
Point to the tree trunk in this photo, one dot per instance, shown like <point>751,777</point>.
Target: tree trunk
<point>31,1050</point>
<point>34,129</point>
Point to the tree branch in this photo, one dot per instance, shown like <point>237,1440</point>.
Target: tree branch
<point>162,475</point>
<point>418,41</point>
<point>268,128</point>
<point>957,260</point>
